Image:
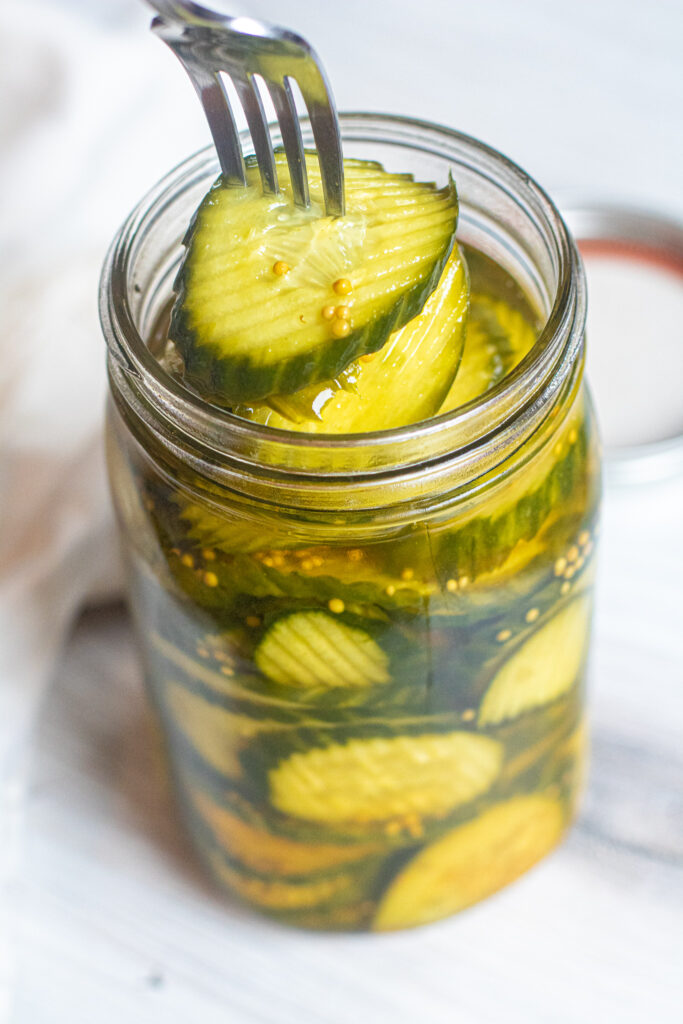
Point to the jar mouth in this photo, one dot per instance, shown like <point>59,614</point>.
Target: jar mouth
<point>459,435</point>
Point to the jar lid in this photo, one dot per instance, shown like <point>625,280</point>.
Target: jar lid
<point>634,269</point>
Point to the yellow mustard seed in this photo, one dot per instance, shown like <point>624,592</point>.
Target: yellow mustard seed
<point>463,581</point>
<point>588,548</point>
<point>573,553</point>
<point>392,828</point>
<point>328,312</point>
<point>211,579</point>
<point>355,555</point>
<point>281,268</point>
<point>468,715</point>
<point>390,590</point>
<point>558,449</point>
<point>336,605</point>
<point>317,561</point>
<point>342,286</point>
<point>532,615</point>
<point>579,563</point>
<point>253,621</point>
<point>176,552</point>
<point>227,671</point>
<point>308,564</point>
<point>368,357</point>
<point>583,538</point>
<point>343,313</point>
<point>340,328</point>
<point>203,652</point>
<point>452,586</point>
<point>208,554</point>
<point>504,635</point>
<point>188,560</point>
<point>407,574</point>
<point>564,589</point>
<point>267,560</point>
<point>560,566</point>
<point>573,437</point>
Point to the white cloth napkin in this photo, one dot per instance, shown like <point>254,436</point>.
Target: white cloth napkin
<point>84,130</point>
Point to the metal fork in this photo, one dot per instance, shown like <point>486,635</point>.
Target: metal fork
<point>207,44</point>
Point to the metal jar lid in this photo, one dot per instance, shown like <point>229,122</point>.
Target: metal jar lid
<point>634,269</point>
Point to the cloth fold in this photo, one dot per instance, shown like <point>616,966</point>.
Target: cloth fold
<point>85,129</point>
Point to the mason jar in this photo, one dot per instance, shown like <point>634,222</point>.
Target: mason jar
<point>367,651</point>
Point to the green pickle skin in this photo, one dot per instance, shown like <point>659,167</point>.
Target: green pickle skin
<point>434,748</point>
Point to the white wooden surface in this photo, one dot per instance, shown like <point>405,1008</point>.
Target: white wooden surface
<point>114,921</point>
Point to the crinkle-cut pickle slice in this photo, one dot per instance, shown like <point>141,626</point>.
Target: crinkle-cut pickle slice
<point>278,894</point>
<point>472,862</point>
<point>517,507</point>
<point>272,297</point>
<point>217,735</point>
<point>325,574</point>
<point>403,383</point>
<point>313,650</point>
<point>497,339</point>
<point>218,529</point>
<point>545,667</point>
<point>264,852</point>
<point>383,779</point>
<point>317,574</point>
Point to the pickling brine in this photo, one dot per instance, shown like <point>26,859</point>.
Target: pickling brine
<point>370,677</point>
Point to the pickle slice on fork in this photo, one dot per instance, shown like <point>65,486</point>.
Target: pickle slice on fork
<point>273,297</point>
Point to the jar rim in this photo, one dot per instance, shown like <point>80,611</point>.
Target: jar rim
<point>454,436</point>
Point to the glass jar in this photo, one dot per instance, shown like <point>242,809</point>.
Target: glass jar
<point>367,651</point>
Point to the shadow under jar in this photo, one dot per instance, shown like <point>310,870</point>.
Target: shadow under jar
<point>367,651</point>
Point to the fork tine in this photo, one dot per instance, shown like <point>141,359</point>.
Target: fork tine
<point>208,43</point>
<point>328,145</point>
<point>251,101</point>
<point>287,116</point>
<point>214,100</point>
<point>325,127</point>
<point>222,124</point>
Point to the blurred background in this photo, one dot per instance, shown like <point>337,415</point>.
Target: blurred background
<point>101,915</point>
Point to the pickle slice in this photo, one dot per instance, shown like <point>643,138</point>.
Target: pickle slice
<point>216,734</point>
<point>321,575</point>
<point>544,668</point>
<point>221,531</point>
<point>505,526</point>
<point>278,894</point>
<point>263,283</point>
<point>311,650</point>
<point>253,846</point>
<point>384,779</point>
<point>472,862</point>
<point>498,337</point>
<point>402,383</point>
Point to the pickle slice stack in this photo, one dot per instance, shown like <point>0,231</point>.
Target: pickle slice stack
<point>369,728</point>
